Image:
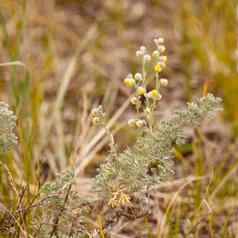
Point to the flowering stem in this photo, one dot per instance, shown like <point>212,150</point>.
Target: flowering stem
<point>157,81</point>
<point>143,71</point>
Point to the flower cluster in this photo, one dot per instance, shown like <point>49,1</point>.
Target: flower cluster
<point>7,126</point>
<point>144,99</point>
<point>119,198</point>
<point>149,161</point>
<point>137,123</point>
<point>161,59</point>
<point>98,116</point>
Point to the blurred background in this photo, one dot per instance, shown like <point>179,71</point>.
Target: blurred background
<point>76,54</point>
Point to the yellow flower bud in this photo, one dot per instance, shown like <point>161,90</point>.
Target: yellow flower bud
<point>140,91</point>
<point>129,82</point>
<point>158,68</point>
<point>154,94</point>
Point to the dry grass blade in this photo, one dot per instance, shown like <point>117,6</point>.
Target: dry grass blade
<point>161,225</point>
<point>56,114</point>
<point>23,232</point>
<point>223,181</point>
<point>13,63</point>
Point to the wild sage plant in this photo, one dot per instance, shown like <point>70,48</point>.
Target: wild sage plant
<point>150,160</point>
<point>7,127</point>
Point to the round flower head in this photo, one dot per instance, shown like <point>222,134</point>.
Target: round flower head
<point>161,40</point>
<point>138,77</point>
<point>129,82</point>
<point>140,123</point>
<point>161,48</point>
<point>158,68</point>
<point>147,58</point>
<point>132,122</point>
<point>143,49</point>
<point>154,94</point>
<point>139,53</point>
<point>156,53</point>
<point>164,82</point>
<point>140,91</point>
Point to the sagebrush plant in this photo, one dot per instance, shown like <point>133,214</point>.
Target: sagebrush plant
<point>150,160</point>
<point>7,126</point>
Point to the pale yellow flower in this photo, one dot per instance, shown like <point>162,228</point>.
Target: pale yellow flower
<point>140,91</point>
<point>129,82</point>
